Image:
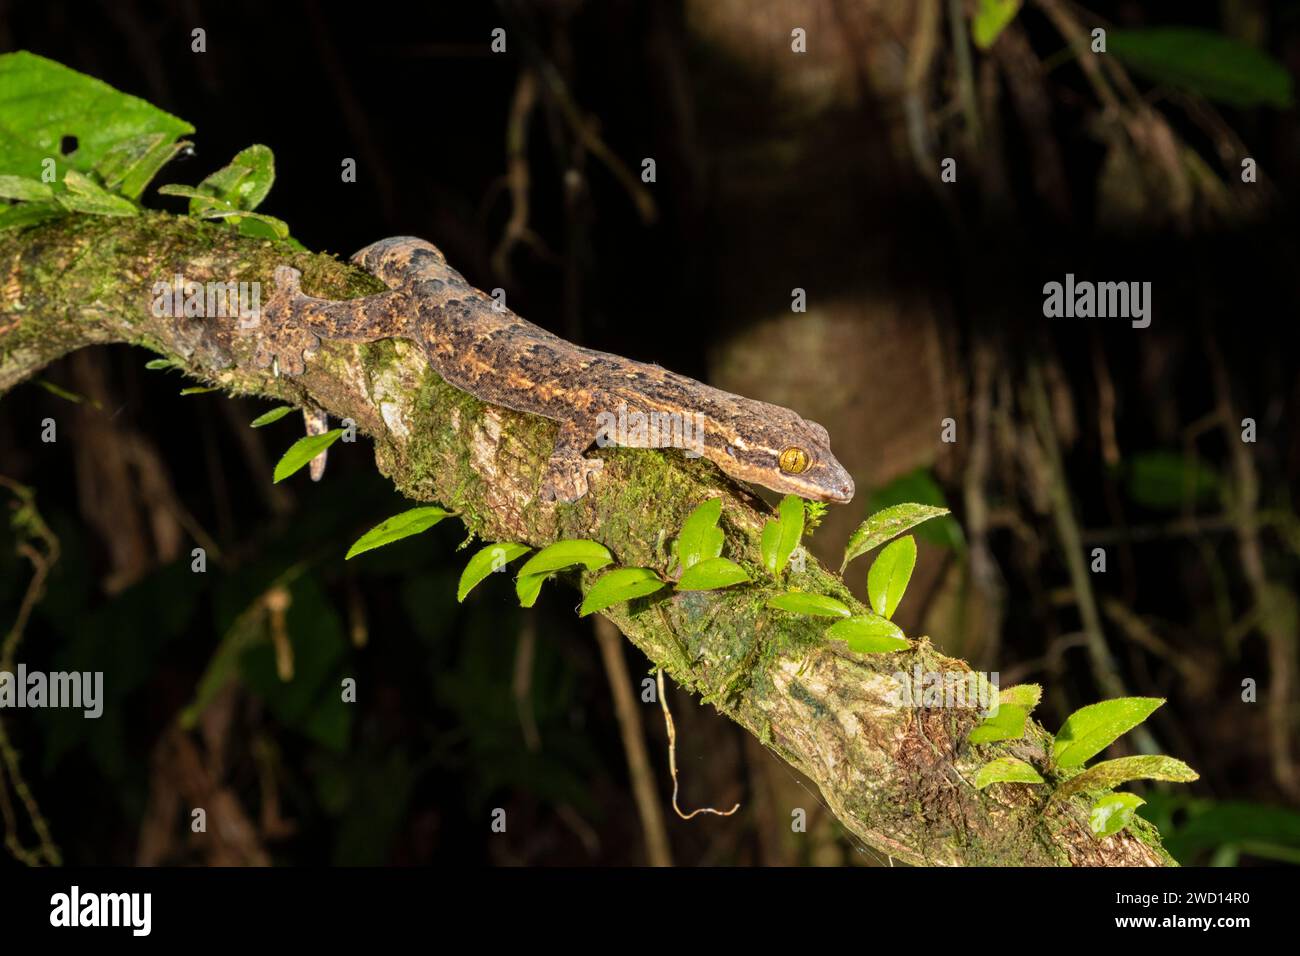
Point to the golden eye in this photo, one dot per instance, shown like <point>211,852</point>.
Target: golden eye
<point>793,461</point>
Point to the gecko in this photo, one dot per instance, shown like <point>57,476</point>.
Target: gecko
<point>483,348</point>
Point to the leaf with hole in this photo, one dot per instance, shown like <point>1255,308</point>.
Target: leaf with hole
<point>781,535</point>
<point>1007,724</point>
<point>567,554</point>
<point>869,634</point>
<point>1113,813</point>
<point>885,524</point>
<point>274,415</point>
<point>1112,773</point>
<point>304,450</point>
<point>619,585</point>
<point>889,574</point>
<point>711,574</point>
<point>1005,770</point>
<point>44,103</point>
<point>396,528</point>
<point>700,537</point>
<point>1090,730</point>
<point>494,557</point>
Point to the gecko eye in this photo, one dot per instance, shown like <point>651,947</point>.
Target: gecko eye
<point>793,460</point>
<point>731,452</point>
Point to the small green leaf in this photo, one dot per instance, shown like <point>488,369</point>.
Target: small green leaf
<point>304,450</point>
<point>869,634</point>
<point>814,605</point>
<point>199,390</point>
<point>245,181</point>
<point>528,586</point>
<point>23,188</point>
<point>1090,730</point>
<point>1112,773</point>
<point>154,365</point>
<point>991,18</point>
<point>84,195</point>
<point>1022,695</point>
<point>781,536</point>
<point>566,554</point>
<point>1204,62</point>
<point>201,203</point>
<point>396,528</point>
<point>885,524</point>
<point>622,584</point>
<point>130,165</point>
<point>274,415</point>
<point>492,558</point>
<point>711,574</point>
<point>1005,770</point>
<point>28,214</point>
<point>889,574</point>
<point>1007,724</point>
<point>1113,813</point>
<point>700,536</point>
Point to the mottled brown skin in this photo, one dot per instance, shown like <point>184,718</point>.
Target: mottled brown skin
<point>485,349</point>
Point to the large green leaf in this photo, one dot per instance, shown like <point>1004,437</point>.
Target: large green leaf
<point>889,574</point>
<point>1113,813</point>
<point>42,102</point>
<point>621,584</point>
<point>494,557</point>
<point>919,487</point>
<point>700,537</point>
<point>1090,730</point>
<point>711,574</point>
<point>781,536</point>
<point>528,586</point>
<point>1112,773</point>
<point>396,528</point>
<point>814,605</point>
<point>1204,62</point>
<point>869,634</point>
<point>567,554</point>
<point>885,524</point>
<point>303,451</point>
<point>244,181</point>
<point>1005,770</point>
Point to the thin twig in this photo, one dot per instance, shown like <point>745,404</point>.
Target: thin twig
<point>672,756</point>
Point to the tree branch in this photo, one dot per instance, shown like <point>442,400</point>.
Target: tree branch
<point>897,777</point>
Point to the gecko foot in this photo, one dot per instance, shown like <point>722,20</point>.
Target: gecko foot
<point>566,478</point>
<point>280,338</point>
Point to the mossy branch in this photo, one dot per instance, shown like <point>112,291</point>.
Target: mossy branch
<point>898,778</point>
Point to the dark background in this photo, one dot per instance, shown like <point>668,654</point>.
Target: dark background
<point>773,171</point>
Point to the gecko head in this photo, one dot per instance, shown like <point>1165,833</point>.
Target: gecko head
<point>777,449</point>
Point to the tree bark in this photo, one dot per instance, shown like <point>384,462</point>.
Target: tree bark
<point>896,777</point>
